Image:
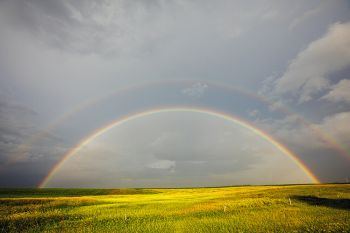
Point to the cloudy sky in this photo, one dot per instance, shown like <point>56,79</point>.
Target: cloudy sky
<point>69,68</point>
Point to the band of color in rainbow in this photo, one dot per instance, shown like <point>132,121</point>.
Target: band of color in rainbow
<point>312,177</point>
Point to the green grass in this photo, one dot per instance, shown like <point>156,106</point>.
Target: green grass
<point>293,208</point>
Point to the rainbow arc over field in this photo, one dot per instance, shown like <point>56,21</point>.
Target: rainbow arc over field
<point>323,136</point>
<point>167,109</point>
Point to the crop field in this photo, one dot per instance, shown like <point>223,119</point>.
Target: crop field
<point>292,208</point>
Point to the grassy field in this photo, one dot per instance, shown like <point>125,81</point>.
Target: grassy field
<point>294,208</point>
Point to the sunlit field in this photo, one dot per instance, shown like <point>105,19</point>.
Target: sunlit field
<point>296,208</point>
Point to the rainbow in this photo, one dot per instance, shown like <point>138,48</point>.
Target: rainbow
<point>21,150</point>
<point>85,141</point>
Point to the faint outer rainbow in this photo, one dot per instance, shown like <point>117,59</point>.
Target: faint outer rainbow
<point>210,112</point>
<point>21,150</point>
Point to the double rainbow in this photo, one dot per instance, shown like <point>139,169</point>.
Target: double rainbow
<point>24,147</point>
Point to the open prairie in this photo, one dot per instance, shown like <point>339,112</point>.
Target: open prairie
<point>291,208</point>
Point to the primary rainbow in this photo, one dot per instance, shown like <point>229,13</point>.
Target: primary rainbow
<point>225,116</point>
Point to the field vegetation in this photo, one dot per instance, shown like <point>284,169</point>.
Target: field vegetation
<point>292,208</point>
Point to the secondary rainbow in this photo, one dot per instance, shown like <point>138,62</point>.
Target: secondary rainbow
<point>328,139</point>
<point>85,141</point>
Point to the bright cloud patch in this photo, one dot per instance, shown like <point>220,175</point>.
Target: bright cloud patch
<point>309,72</point>
<point>196,90</point>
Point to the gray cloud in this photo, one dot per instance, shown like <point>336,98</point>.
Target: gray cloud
<point>163,164</point>
<point>337,126</point>
<point>95,27</point>
<point>18,125</point>
<point>339,92</point>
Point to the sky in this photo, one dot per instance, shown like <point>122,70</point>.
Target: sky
<point>70,68</point>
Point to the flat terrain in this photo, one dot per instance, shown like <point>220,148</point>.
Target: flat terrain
<point>292,208</point>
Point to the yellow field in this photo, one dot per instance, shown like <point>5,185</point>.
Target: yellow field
<point>297,208</point>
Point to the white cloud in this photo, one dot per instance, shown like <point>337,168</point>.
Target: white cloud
<point>309,72</point>
<point>163,164</point>
<point>196,90</point>
<point>339,92</point>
